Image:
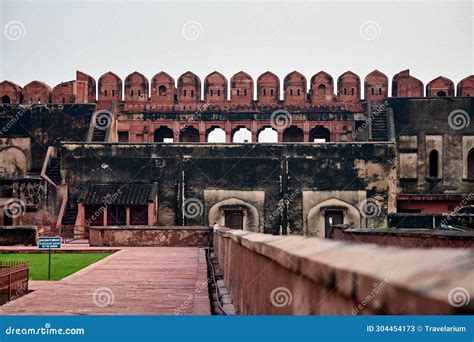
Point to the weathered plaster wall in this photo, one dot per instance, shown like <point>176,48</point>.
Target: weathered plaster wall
<point>210,173</point>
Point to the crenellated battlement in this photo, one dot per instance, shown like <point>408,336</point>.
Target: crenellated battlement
<point>137,94</point>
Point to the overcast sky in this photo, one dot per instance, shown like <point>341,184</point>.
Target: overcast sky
<point>49,40</point>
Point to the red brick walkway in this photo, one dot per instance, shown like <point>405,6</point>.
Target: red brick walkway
<point>133,281</point>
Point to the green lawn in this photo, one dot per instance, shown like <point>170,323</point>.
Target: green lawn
<point>62,264</point>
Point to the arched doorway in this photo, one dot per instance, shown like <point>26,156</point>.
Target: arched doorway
<point>5,99</point>
<point>164,134</point>
<point>470,164</point>
<point>267,135</point>
<point>433,163</point>
<point>319,134</point>
<point>441,93</point>
<point>216,135</point>
<point>189,134</point>
<point>242,135</point>
<point>293,134</point>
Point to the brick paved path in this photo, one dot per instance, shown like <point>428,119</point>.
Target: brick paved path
<point>133,281</point>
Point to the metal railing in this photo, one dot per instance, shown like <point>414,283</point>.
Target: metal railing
<point>13,280</point>
<point>68,233</point>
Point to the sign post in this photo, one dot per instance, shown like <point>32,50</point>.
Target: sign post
<point>49,243</point>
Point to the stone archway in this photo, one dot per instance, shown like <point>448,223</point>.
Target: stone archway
<point>251,219</point>
<point>316,224</point>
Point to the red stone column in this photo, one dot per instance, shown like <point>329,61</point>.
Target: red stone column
<point>176,131</point>
<point>202,132</point>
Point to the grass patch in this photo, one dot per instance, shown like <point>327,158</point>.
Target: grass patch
<point>62,264</point>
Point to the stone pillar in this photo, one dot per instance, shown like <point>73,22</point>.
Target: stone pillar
<point>202,132</point>
<point>151,214</point>
<point>127,216</point>
<point>228,132</point>
<point>176,131</point>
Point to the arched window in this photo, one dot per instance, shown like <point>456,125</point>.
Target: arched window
<point>441,93</point>
<point>433,162</point>
<point>164,134</point>
<point>242,135</point>
<point>470,164</point>
<point>293,134</point>
<point>216,135</point>
<point>189,134</point>
<point>5,99</point>
<point>319,134</point>
<point>162,90</point>
<point>267,135</point>
<point>322,90</point>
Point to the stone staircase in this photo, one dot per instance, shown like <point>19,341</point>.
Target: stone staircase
<point>69,218</point>
<point>54,170</point>
<point>378,125</point>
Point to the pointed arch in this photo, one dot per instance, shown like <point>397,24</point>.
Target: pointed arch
<point>189,88</point>
<point>136,87</point>
<point>110,87</point>
<point>241,88</point>
<point>268,88</point>
<point>37,92</point>
<point>322,87</point>
<point>440,86</point>
<point>376,86</point>
<point>348,87</point>
<point>294,88</point>
<point>466,86</point>
<point>215,88</point>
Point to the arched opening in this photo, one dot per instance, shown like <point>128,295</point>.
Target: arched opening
<point>470,164</point>
<point>441,93</point>
<point>293,134</point>
<point>267,135</point>
<point>242,135</point>
<point>164,134</point>
<point>433,161</point>
<point>5,99</point>
<point>322,90</point>
<point>189,134</point>
<point>216,135</point>
<point>319,134</point>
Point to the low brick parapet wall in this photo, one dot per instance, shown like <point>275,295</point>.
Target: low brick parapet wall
<point>296,275</point>
<point>419,238</point>
<point>138,236</point>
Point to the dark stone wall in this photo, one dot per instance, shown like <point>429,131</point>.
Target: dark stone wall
<point>430,116</point>
<point>183,171</point>
<point>47,125</point>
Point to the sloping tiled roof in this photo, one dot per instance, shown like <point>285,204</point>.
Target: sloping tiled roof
<point>118,194</point>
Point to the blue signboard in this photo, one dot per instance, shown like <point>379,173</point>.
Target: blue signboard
<point>49,242</point>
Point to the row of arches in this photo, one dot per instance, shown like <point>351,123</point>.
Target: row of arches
<point>164,89</point>
<point>216,134</point>
<point>434,164</point>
